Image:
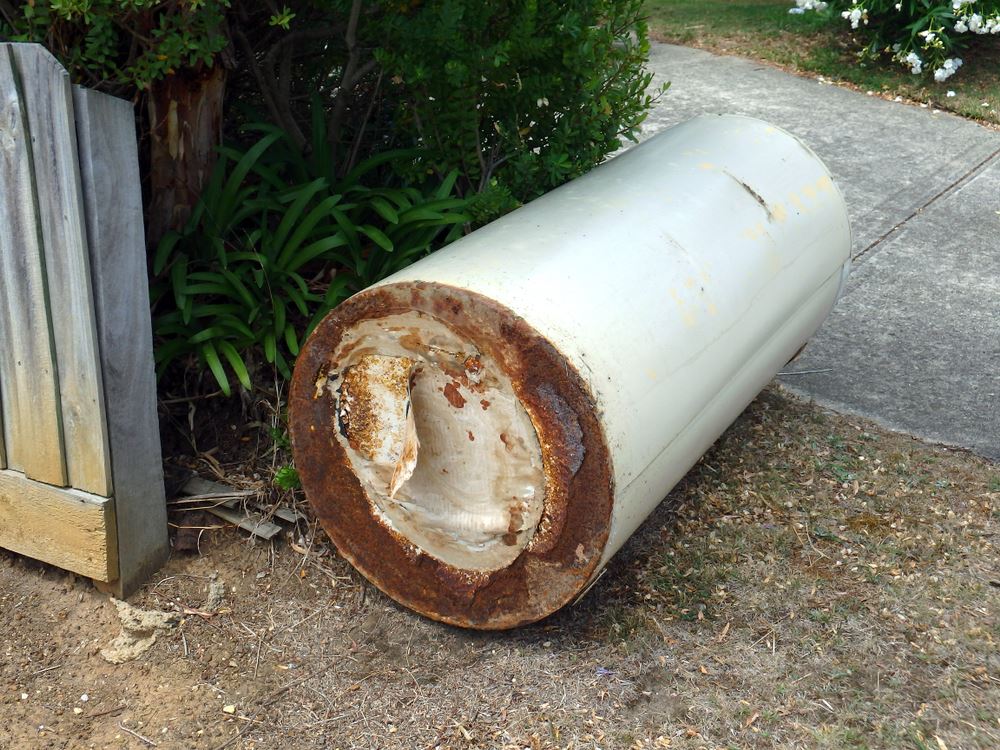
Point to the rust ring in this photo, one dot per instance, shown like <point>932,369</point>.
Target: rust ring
<point>564,555</point>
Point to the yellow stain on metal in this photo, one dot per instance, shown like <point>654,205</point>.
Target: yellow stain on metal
<point>687,315</point>
<point>797,203</point>
<point>756,232</point>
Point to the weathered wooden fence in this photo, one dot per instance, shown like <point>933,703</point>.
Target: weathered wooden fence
<point>81,482</point>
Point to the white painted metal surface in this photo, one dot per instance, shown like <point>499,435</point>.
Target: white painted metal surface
<point>676,279</point>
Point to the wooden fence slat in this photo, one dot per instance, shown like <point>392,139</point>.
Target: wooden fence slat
<point>46,89</point>
<point>68,528</point>
<point>27,362</point>
<point>3,452</point>
<point>109,166</point>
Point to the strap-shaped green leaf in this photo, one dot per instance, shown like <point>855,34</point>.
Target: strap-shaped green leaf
<point>235,362</point>
<point>377,236</point>
<point>211,357</point>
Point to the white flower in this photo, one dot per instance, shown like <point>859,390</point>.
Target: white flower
<point>801,6</point>
<point>854,15</point>
<point>975,22</point>
<point>915,63</point>
<point>543,102</point>
<point>948,68</point>
<point>950,93</point>
<point>961,27</point>
<point>899,6</point>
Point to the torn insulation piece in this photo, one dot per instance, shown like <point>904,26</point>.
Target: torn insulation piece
<point>376,416</point>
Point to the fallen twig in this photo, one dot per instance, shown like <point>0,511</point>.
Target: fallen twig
<point>114,710</point>
<point>136,735</point>
<point>47,669</point>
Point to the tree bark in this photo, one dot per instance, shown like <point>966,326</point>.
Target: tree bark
<point>185,119</point>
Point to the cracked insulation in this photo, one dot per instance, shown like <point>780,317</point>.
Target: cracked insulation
<point>445,451</point>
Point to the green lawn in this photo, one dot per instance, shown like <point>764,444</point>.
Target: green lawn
<point>763,29</point>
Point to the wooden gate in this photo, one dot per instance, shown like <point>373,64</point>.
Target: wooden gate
<point>81,482</point>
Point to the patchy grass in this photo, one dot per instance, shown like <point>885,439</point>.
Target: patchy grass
<point>823,583</point>
<point>814,582</point>
<point>807,43</point>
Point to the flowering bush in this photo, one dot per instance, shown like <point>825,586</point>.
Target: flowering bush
<point>923,35</point>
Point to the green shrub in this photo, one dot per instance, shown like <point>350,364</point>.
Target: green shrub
<point>121,44</point>
<point>274,243</point>
<point>923,35</point>
<point>426,114</point>
<point>519,96</point>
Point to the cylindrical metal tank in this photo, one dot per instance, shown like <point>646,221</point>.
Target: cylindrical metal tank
<point>481,432</point>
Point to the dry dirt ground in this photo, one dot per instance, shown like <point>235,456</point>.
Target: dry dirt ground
<point>815,582</point>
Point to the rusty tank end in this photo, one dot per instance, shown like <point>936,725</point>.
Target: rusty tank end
<point>407,403</point>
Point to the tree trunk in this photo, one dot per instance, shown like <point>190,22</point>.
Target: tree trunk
<point>185,116</point>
